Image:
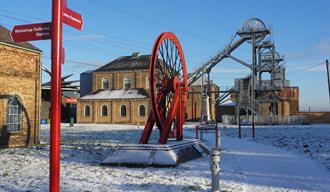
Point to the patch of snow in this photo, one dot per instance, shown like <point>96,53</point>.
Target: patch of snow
<point>246,166</point>
<point>116,94</point>
<point>312,141</point>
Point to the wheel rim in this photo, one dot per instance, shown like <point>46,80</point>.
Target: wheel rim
<point>167,73</point>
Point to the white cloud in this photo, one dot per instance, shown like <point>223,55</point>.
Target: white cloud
<point>322,48</point>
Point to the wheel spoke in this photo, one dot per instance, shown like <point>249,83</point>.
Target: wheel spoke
<point>169,68</point>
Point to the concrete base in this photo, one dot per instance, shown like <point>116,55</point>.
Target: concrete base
<point>155,155</point>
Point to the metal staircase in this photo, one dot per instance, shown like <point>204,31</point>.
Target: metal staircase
<point>245,101</point>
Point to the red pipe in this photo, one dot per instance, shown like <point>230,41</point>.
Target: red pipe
<point>55,134</point>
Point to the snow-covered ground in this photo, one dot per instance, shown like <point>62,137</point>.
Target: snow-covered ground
<point>246,166</point>
<point>310,140</point>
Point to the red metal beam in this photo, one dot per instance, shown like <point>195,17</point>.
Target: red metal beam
<point>170,116</point>
<point>147,129</point>
<point>180,117</point>
<point>55,134</point>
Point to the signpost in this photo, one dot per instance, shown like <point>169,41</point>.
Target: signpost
<point>52,30</point>
<point>31,32</point>
<point>72,18</point>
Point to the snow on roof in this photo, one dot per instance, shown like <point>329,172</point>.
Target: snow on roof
<point>228,103</point>
<point>118,94</point>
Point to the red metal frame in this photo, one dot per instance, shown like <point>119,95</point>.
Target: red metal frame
<point>172,92</point>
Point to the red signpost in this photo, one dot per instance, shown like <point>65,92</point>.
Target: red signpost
<point>72,18</point>
<point>31,32</point>
<point>55,128</point>
<point>53,31</point>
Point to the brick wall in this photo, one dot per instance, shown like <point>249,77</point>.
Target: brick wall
<point>317,117</point>
<point>20,76</point>
<point>114,107</point>
<point>116,79</point>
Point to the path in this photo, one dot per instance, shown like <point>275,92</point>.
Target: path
<point>260,167</point>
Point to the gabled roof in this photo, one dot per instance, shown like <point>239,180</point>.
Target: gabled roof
<point>137,93</point>
<point>132,62</point>
<point>6,38</point>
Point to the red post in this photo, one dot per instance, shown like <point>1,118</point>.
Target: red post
<point>253,127</point>
<point>196,131</point>
<point>239,127</point>
<point>55,134</point>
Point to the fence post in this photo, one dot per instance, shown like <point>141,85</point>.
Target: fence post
<point>215,170</point>
<point>196,131</point>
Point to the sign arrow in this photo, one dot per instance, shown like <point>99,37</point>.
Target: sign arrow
<point>31,32</point>
<point>72,18</point>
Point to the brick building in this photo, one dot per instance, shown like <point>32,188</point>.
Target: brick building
<point>19,92</point>
<point>120,93</point>
<point>194,99</point>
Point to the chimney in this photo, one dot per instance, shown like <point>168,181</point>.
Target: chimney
<point>135,55</point>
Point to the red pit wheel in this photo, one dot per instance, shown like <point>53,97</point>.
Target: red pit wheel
<point>168,89</point>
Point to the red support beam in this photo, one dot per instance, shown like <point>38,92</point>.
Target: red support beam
<point>55,134</point>
<point>147,129</point>
<point>180,118</point>
<point>168,122</point>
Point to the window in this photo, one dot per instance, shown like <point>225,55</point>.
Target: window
<point>142,110</point>
<point>14,114</point>
<point>87,111</point>
<point>105,83</point>
<point>104,110</point>
<point>123,111</point>
<point>127,83</point>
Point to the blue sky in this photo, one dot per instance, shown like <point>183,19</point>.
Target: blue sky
<point>301,31</point>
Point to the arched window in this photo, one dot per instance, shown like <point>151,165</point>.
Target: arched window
<point>147,82</point>
<point>14,114</point>
<point>87,111</point>
<point>142,111</point>
<point>123,111</point>
<point>127,83</point>
<point>104,110</point>
<point>105,83</point>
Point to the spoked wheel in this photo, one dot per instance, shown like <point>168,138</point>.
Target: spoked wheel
<point>168,88</point>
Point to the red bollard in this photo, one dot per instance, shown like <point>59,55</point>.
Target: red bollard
<point>239,129</point>
<point>253,128</point>
<point>196,131</point>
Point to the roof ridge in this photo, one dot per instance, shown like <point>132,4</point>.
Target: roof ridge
<point>5,37</point>
<point>126,63</point>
